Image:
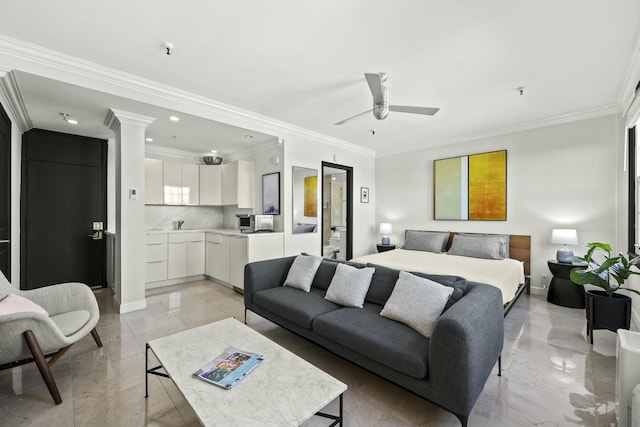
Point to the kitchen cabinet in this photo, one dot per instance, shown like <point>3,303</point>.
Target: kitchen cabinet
<point>217,265</point>
<point>211,185</point>
<point>238,258</point>
<point>153,191</point>
<point>238,184</point>
<point>156,257</point>
<point>185,255</point>
<point>190,184</point>
<point>181,183</point>
<point>251,248</point>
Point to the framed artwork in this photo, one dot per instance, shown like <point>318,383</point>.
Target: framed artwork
<point>271,193</point>
<point>311,196</point>
<point>364,195</point>
<point>471,188</point>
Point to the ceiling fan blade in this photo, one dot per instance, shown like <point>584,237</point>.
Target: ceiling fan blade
<point>352,118</point>
<point>414,110</point>
<point>375,85</point>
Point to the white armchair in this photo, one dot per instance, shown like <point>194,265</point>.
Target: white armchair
<point>34,337</point>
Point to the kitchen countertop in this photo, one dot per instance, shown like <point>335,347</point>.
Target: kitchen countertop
<point>227,231</point>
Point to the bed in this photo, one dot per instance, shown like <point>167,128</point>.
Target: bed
<point>441,253</point>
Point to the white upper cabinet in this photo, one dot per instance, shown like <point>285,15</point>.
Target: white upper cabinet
<point>210,185</point>
<point>153,192</point>
<point>190,184</point>
<point>238,184</point>
<point>172,181</point>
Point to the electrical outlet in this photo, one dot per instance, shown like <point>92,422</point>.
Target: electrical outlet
<point>544,280</point>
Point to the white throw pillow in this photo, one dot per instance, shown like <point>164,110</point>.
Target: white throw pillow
<point>302,272</point>
<point>417,302</point>
<point>349,285</point>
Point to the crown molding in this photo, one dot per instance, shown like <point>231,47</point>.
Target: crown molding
<point>164,153</point>
<point>15,103</point>
<point>237,116</point>
<point>628,90</point>
<point>115,118</point>
<point>574,116</point>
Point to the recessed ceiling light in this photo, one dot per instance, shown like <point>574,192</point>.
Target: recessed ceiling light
<point>149,139</point>
<point>72,121</point>
<point>174,118</point>
<point>249,136</point>
<point>214,151</point>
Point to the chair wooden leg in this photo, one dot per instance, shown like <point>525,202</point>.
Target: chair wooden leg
<point>96,337</point>
<point>43,367</point>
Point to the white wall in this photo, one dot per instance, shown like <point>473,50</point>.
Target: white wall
<point>562,176</point>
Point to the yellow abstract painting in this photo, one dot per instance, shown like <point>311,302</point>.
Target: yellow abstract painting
<point>488,186</point>
<point>311,196</point>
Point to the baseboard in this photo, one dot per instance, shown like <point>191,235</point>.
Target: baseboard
<point>536,290</point>
<point>161,283</point>
<point>132,306</point>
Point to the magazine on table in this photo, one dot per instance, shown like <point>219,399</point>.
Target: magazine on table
<point>229,368</point>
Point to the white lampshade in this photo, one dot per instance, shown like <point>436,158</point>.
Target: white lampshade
<point>564,236</point>
<point>385,228</point>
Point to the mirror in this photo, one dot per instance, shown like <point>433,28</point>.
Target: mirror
<point>337,190</point>
<point>305,200</point>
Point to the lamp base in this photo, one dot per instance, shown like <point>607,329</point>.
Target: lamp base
<point>386,240</point>
<point>564,255</point>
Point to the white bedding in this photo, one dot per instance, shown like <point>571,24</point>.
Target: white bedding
<point>505,274</point>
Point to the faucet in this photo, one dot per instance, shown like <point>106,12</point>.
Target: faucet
<point>180,222</point>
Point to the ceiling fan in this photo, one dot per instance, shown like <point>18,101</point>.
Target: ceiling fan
<point>381,105</point>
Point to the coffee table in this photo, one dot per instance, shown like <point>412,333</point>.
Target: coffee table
<point>284,390</point>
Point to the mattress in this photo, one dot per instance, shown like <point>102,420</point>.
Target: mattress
<point>505,274</point>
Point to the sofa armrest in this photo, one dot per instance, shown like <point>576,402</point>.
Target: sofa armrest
<point>465,345</point>
<point>264,275</point>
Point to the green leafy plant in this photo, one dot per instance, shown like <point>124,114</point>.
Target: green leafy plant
<point>599,273</point>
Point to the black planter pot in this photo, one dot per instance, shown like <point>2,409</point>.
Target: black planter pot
<point>604,312</point>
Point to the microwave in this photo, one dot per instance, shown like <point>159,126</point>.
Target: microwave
<point>255,223</point>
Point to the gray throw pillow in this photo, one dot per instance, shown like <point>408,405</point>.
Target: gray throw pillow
<point>349,285</point>
<point>417,302</point>
<point>427,241</point>
<point>488,247</point>
<point>302,272</point>
<point>506,239</point>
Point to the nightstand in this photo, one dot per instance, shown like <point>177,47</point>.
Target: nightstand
<point>384,248</point>
<point>562,291</point>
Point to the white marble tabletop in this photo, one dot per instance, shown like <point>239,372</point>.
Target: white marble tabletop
<point>284,390</point>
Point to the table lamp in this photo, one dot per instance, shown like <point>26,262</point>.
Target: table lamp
<point>385,230</point>
<point>564,236</point>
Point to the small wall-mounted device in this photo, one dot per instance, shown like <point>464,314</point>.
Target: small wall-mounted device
<point>133,194</point>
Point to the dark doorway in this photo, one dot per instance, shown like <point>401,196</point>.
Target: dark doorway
<point>63,209</point>
<point>5,194</point>
<point>335,228</point>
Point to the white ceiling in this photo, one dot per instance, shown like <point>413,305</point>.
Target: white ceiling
<point>303,62</point>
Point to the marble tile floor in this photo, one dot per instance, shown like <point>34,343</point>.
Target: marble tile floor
<point>551,375</point>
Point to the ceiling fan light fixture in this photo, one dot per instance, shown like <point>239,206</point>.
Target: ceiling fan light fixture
<point>381,111</point>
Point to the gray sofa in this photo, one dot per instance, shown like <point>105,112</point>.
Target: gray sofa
<point>449,369</point>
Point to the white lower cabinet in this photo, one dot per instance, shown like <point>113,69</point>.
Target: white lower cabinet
<point>218,256</point>
<point>186,255</point>
<point>238,258</point>
<point>156,257</point>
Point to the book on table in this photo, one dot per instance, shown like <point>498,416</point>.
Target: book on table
<point>229,368</point>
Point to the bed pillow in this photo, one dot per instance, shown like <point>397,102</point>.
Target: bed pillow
<point>302,271</point>
<point>417,302</point>
<point>487,247</point>
<point>428,241</point>
<point>13,303</point>
<point>504,237</point>
<point>349,285</point>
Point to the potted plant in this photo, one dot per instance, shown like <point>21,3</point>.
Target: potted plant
<point>606,309</point>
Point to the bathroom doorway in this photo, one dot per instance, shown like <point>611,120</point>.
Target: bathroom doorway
<point>337,211</point>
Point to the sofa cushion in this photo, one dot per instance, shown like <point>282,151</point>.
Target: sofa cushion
<point>417,302</point>
<point>388,342</point>
<point>385,278</point>
<point>326,271</point>
<point>349,285</point>
<point>302,272</point>
<point>294,305</point>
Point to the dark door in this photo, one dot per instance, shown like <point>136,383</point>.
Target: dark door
<point>63,201</point>
<point>5,194</point>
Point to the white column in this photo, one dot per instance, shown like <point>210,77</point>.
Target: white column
<point>129,130</point>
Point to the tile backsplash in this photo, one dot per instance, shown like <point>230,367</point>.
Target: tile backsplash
<point>194,217</point>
